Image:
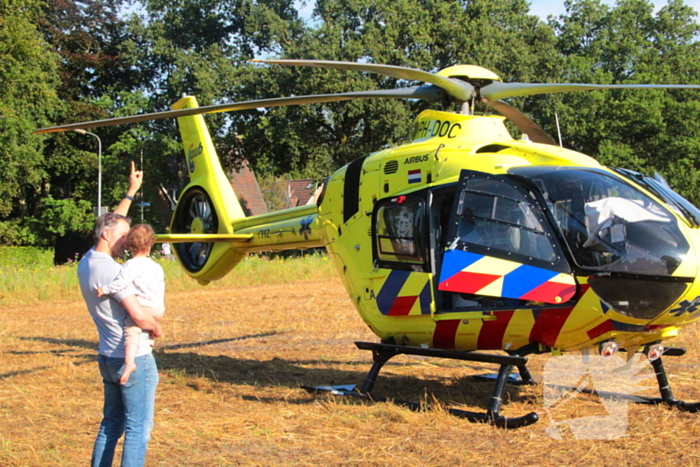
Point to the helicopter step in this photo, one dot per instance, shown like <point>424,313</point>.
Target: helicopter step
<point>382,353</point>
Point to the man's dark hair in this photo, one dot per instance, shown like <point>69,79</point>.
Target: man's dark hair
<point>107,221</point>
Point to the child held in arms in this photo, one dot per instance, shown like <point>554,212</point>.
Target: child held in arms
<point>149,280</point>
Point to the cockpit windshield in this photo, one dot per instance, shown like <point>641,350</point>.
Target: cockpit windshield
<point>681,205</point>
<point>609,225</point>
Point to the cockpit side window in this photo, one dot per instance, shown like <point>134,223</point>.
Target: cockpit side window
<point>400,240</point>
<point>499,219</point>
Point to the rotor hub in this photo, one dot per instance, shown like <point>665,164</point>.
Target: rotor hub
<point>469,72</point>
<point>197,226</point>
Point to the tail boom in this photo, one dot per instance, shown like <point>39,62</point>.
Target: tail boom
<point>290,229</point>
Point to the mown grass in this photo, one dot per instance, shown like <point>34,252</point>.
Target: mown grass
<point>24,284</point>
<point>232,363</point>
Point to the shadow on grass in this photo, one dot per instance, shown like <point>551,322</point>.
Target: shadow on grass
<point>278,372</point>
<point>80,358</point>
<point>23,372</point>
<point>92,345</point>
<point>216,341</point>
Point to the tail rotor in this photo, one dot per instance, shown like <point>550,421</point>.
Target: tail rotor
<point>195,214</point>
<point>207,206</point>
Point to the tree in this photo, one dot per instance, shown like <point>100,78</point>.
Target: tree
<point>312,140</point>
<point>95,65</point>
<point>93,45</point>
<point>101,64</point>
<point>190,47</point>
<point>644,130</point>
<point>28,81</point>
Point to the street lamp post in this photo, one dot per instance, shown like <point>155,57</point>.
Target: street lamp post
<point>99,168</point>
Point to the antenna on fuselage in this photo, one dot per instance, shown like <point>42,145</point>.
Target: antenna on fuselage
<point>556,116</point>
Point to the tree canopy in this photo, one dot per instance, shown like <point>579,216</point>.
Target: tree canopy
<point>28,82</point>
<point>63,61</point>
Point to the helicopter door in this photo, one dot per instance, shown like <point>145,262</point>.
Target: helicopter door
<point>499,244</point>
<point>400,248</point>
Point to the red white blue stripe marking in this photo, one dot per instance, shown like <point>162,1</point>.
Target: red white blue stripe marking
<point>472,273</point>
<point>398,297</point>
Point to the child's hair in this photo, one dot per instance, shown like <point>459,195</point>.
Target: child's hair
<point>140,238</point>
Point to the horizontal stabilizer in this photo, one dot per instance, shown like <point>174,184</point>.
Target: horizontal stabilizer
<point>202,238</point>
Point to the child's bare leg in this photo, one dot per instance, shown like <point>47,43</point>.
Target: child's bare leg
<point>131,346</point>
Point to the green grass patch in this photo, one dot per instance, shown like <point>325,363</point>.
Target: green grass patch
<point>255,270</point>
<point>25,256</point>
<point>37,282</point>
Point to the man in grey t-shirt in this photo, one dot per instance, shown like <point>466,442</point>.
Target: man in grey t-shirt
<point>128,408</point>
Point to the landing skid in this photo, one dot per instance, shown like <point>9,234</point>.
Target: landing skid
<point>664,388</point>
<point>382,353</point>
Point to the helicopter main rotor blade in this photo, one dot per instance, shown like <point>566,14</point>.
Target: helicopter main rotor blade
<point>428,93</point>
<point>522,122</point>
<point>498,90</point>
<point>460,90</point>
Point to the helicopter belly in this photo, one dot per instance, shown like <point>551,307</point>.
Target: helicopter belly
<point>506,330</point>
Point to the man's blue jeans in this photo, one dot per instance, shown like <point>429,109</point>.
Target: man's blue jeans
<point>127,408</point>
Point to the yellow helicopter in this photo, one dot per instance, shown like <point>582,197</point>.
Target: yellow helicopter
<point>466,239</point>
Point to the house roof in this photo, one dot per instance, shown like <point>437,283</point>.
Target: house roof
<point>247,190</point>
<point>300,191</point>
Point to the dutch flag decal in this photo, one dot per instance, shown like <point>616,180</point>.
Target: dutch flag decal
<point>414,176</point>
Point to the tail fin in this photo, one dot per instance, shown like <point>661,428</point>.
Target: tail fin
<point>207,205</point>
<point>202,162</point>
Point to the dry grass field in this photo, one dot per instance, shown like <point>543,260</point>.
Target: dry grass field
<point>232,363</point>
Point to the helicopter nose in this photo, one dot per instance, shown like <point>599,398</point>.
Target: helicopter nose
<point>638,297</point>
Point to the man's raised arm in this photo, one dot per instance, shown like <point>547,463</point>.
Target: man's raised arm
<point>135,181</point>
